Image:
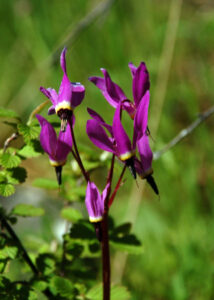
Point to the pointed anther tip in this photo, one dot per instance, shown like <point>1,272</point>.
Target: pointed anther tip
<point>152,183</point>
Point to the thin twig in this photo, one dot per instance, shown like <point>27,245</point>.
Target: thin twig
<point>19,244</point>
<point>185,132</point>
<point>117,186</point>
<point>11,138</point>
<point>99,10</point>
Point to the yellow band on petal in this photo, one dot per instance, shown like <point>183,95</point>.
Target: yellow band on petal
<point>55,163</point>
<point>127,155</point>
<point>95,219</point>
<point>63,105</point>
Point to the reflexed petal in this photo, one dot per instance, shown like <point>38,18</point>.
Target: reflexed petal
<point>65,90</point>
<point>63,61</point>
<point>141,118</point>
<point>132,69</point>
<point>140,83</point>
<point>98,136</point>
<point>78,94</point>
<point>50,94</point>
<point>101,84</point>
<point>145,152</point>
<point>122,140</point>
<point>61,151</point>
<point>51,110</point>
<point>94,203</point>
<point>48,138</point>
<point>99,119</point>
<point>115,92</point>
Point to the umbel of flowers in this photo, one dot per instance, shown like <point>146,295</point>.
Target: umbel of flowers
<point>134,153</point>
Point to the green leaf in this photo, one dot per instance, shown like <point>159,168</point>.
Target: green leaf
<point>10,160</point>
<point>117,293</point>
<point>8,113</point>
<point>28,132</point>
<point>71,214</point>
<point>33,149</point>
<point>45,183</point>
<point>16,175</point>
<point>27,210</point>
<point>45,263</point>
<point>128,243</point>
<point>62,286</point>
<point>6,189</point>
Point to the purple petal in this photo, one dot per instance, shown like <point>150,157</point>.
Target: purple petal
<point>141,118</point>
<point>66,137</point>
<point>128,106</point>
<point>145,153</point>
<point>100,120</point>
<point>115,92</point>
<point>48,137</point>
<point>140,83</point>
<point>63,61</point>
<point>132,69</point>
<point>94,203</point>
<point>123,142</point>
<point>105,192</point>
<point>50,94</point>
<point>51,110</point>
<point>78,93</point>
<point>65,90</point>
<point>98,136</point>
<point>101,84</point>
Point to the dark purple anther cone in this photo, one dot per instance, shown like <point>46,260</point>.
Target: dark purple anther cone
<point>130,164</point>
<point>98,230</point>
<point>58,170</point>
<point>152,183</point>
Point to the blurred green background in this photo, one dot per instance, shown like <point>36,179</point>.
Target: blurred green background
<point>176,40</point>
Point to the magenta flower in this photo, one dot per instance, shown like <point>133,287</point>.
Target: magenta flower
<point>57,148</point>
<point>117,143</point>
<point>95,205</point>
<point>115,95</point>
<point>69,96</point>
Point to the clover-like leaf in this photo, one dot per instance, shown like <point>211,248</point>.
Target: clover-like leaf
<point>6,189</point>
<point>27,210</point>
<point>28,132</point>
<point>33,149</point>
<point>10,160</point>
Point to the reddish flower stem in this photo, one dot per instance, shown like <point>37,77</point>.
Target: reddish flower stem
<point>116,187</point>
<point>77,156</point>
<point>105,240</point>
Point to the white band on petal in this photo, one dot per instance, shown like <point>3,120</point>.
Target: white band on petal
<point>63,105</point>
<point>55,163</point>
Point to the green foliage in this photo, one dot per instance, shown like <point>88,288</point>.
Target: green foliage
<point>71,214</point>
<point>8,113</point>
<point>117,293</point>
<point>27,210</point>
<point>62,286</point>
<point>28,132</point>
<point>9,160</point>
<point>6,189</point>
<point>32,149</point>
<point>45,183</point>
